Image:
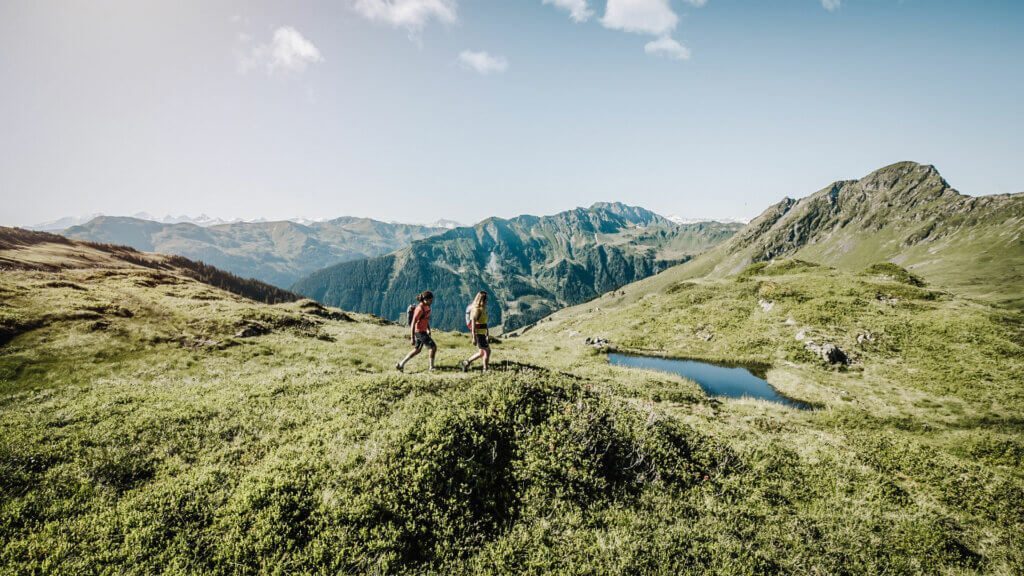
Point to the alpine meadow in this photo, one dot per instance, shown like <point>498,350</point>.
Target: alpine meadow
<point>705,316</point>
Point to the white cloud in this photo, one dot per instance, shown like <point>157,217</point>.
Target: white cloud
<point>831,5</point>
<point>643,16</point>
<point>667,47</point>
<point>412,15</point>
<point>288,51</point>
<point>578,10</point>
<point>482,62</point>
<point>654,17</point>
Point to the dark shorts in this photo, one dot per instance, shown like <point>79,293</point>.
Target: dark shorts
<point>422,339</point>
<point>482,341</point>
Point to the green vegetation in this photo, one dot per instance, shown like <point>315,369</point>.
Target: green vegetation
<point>891,271</point>
<point>153,423</point>
<point>28,250</point>
<point>530,265</point>
<point>906,214</point>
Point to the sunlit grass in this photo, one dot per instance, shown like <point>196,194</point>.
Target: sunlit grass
<point>161,441</point>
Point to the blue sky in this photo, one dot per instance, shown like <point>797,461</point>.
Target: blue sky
<point>414,110</point>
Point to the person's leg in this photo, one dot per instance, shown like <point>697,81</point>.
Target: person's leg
<point>415,351</point>
<point>467,362</point>
<point>486,352</point>
<point>433,352</point>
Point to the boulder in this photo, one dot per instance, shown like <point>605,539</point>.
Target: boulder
<point>829,353</point>
<point>833,354</point>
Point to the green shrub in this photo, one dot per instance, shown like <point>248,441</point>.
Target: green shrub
<point>894,272</point>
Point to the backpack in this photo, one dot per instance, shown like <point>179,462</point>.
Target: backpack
<point>409,313</point>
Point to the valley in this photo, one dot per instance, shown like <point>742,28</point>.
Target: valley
<point>159,414</point>
<point>731,327</point>
<point>154,421</point>
<point>530,265</point>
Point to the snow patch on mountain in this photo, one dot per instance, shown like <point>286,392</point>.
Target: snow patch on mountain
<point>681,220</point>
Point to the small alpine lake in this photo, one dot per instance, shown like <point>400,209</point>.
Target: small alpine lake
<point>715,379</point>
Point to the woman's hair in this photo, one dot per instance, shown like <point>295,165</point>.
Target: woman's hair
<point>480,300</point>
<point>424,296</point>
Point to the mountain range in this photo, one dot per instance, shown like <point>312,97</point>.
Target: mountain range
<point>69,221</point>
<point>159,412</point>
<point>906,214</point>
<point>201,220</point>
<point>278,253</point>
<point>530,265</point>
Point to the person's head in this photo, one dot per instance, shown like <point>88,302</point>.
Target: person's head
<point>425,297</point>
<point>481,299</point>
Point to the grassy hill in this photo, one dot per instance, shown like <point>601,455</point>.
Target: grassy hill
<point>531,265</point>
<point>905,213</point>
<point>27,250</point>
<point>278,253</point>
<point>918,438</point>
<point>150,422</point>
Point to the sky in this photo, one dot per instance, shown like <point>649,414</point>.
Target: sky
<point>415,110</point>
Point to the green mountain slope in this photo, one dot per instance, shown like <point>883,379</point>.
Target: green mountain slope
<point>530,265</point>
<point>275,252</point>
<point>927,409</point>
<point>150,423</point>
<point>905,213</point>
<point>41,251</point>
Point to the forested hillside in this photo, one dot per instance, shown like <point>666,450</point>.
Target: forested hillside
<point>531,265</point>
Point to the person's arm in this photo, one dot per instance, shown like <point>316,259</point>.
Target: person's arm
<point>473,317</point>
<point>412,325</point>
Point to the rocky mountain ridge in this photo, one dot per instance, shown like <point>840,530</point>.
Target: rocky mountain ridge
<point>905,213</point>
<point>531,265</point>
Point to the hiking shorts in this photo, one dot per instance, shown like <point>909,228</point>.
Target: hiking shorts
<point>422,339</point>
<point>482,341</point>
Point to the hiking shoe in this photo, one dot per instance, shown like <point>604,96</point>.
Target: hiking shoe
<point>464,365</point>
<point>398,366</point>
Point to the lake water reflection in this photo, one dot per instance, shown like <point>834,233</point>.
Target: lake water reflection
<point>716,380</point>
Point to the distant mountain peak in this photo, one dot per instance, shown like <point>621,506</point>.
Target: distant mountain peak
<point>610,206</point>
<point>902,177</point>
<point>445,223</point>
<point>631,214</point>
<point>684,220</point>
<point>904,213</point>
<point>618,208</point>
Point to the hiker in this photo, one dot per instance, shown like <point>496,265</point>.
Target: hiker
<point>476,321</point>
<point>419,326</point>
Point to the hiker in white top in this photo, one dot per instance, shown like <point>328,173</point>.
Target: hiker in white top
<point>476,321</point>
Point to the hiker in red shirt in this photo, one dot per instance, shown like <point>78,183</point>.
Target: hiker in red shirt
<point>419,324</point>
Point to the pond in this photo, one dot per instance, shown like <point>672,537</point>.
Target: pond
<point>714,379</point>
